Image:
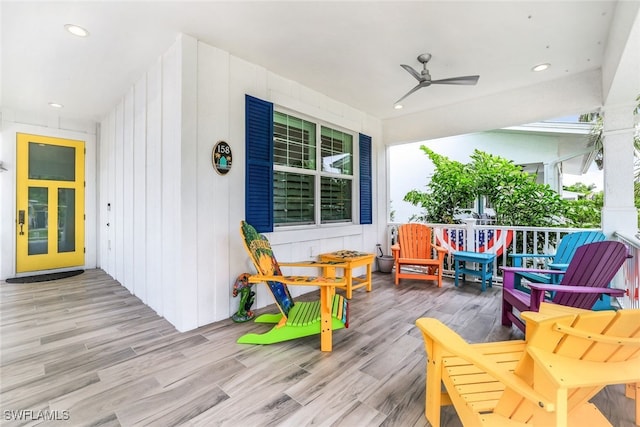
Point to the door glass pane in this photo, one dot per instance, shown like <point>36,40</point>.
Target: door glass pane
<point>52,162</point>
<point>66,220</point>
<point>38,220</point>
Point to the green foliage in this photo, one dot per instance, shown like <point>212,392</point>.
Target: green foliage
<point>450,188</point>
<point>586,212</point>
<point>582,189</point>
<point>515,196</point>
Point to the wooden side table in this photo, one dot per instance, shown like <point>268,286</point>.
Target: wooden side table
<point>485,266</point>
<point>352,259</point>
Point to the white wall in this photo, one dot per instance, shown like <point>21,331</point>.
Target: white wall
<point>14,122</point>
<point>173,238</point>
<point>139,176</point>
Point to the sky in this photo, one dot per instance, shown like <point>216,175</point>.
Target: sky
<point>593,176</point>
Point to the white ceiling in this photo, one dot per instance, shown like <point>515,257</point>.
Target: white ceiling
<point>350,51</point>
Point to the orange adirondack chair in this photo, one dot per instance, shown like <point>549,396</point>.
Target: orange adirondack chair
<point>415,248</point>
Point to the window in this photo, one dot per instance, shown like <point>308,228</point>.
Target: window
<point>301,171</point>
<point>296,197</point>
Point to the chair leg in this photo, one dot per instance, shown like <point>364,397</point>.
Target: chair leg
<point>506,309</point>
<point>433,398</point>
<point>632,391</point>
<point>326,297</point>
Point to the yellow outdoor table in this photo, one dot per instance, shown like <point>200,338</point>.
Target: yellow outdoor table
<point>352,260</point>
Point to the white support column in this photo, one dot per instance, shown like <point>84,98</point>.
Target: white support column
<point>618,213</point>
<point>551,176</point>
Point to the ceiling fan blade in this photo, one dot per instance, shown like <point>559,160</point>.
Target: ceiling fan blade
<point>415,88</point>
<point>413,72</point>
<point>464,80</point>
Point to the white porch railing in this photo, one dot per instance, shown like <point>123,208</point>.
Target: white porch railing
<point>500,240</point>
<point>629,277</point>
<point>503,241</point>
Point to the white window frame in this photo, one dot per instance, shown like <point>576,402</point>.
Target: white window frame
<point>318,173</point>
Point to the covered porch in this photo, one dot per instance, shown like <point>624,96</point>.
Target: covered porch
<point>87,349</point>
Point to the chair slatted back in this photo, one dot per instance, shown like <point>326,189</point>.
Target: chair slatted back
<point>265,263</point>
<point>572,241</point>
<point>594,265</point>
<point>415,241</point>
<point>610,339</point>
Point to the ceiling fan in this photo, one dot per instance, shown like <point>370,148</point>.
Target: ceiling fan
<point>424,78</point>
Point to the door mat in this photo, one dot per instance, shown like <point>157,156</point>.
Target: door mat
<point>45,277</point>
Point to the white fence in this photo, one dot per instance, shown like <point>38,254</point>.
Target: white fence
<point>630,273</point>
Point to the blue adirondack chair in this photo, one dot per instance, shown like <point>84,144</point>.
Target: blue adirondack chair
<point>559,260</point>
<point>588,275</point>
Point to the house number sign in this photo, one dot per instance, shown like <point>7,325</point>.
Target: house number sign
<point>221,157</point>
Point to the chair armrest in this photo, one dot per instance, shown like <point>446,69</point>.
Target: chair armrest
<point>444,337</point>
<point>549,310</point>
<point>299,280</point>
<point>538,292</point>
<point>509,275</point>
<point>558,266</point>
<point>532,255</point>
<point>530,270</point>
<point>571,373</point>
<point>439,248</point>
<point>395,251</point>
<point>576,289</point>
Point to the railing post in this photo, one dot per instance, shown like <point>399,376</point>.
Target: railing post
<point>470,241</point>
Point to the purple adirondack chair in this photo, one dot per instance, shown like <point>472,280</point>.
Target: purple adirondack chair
<point>587,277</point>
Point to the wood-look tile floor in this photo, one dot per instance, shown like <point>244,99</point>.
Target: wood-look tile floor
<point>85,351</point>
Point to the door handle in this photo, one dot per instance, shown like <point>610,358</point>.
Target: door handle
<point>21,221</point>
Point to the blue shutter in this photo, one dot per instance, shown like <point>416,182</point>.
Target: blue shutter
<point>366,216</point>
<point>258,204</point>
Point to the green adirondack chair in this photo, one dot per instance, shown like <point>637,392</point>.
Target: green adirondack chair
<point>295,319</point>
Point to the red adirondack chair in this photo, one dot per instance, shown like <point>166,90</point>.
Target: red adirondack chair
<point>589,273</point>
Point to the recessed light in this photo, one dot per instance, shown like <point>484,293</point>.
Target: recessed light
<point>76,30</point>
<point>55,105</point>
<point>398,106</point>
<point>541,67</point>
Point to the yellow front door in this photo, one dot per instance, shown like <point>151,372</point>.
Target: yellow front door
<point>50,203</point>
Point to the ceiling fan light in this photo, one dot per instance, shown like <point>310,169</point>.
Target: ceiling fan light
<point>541,67</point>
<point>76,30</point>
<point>398,106</point>
<point>55,105</point>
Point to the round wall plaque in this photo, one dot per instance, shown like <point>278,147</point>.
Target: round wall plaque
<point>221,157</point>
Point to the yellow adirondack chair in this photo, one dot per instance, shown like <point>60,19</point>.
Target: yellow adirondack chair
<point>568,356</point>
<point>415,249</point>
